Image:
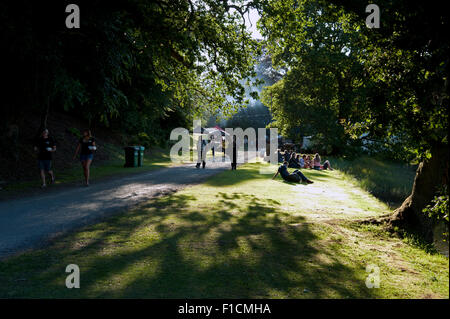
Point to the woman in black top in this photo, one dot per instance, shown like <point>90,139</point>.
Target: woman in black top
<point>87,146</point>
<point>293,162</point>
<point>45,145</point>
<point>287,156</point>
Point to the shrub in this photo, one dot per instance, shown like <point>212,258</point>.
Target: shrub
<point>438,209</point>
<point>75,132</point>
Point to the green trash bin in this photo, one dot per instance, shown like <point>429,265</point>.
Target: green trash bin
<point>141,156</point>
<point>131,156</point>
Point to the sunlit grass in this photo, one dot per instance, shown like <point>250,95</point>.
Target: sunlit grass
<point>389,181</point>
<point>239,235</point>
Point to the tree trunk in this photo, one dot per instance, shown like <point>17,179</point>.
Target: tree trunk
<point>430,175</point>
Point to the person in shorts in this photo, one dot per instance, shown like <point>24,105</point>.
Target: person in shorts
<point>86,147</point>
<point>45,146</point>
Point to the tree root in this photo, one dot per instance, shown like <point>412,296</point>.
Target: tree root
<point>383,219</point>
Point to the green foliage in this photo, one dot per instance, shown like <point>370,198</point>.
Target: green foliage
<point>135,64</point>
<point>438,209</point>
<point>345,80</point>
<point>255,115</point>
<point>75,132</point>
<point>416,240</point>
<point>144,139</point>
<point>320,89</point>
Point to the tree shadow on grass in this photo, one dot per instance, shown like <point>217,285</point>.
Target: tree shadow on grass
<point>246,247</point>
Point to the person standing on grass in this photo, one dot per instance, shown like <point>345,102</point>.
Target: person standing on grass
<point>87,146</point>
<point>45,145</point>
<point>295,176</point>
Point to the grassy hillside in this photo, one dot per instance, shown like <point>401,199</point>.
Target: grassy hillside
<point>389,181</point>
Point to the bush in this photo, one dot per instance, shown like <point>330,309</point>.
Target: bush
<point>438,209</point>
<point>75,132</point>
<point>143,139</point>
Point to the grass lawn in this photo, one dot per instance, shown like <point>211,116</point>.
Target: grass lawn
<point>390,181</point>
<point>238,235</point>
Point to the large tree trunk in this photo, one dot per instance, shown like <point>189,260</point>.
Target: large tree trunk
<point>430,175</point>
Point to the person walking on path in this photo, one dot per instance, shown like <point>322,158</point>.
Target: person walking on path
<point>45,145</point>
<point>87,146</point>
<point>200,151</point>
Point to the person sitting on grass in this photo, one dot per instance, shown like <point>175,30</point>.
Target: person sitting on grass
<point>287,156</point>
<point>295,177</point>
<point>302,161</point>
<point>294,162</point>
<point>280,156</point>
<point>308,162</point>
<point>318,166</point>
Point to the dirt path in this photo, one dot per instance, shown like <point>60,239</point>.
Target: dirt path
<point>30,222</point>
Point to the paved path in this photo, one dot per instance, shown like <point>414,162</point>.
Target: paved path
<point>30,222</point>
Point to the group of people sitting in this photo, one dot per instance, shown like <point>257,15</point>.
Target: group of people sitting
<point>296,161</point>
<point>293,160</point>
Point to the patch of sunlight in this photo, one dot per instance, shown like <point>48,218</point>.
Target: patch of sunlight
<point>136,271</point>
<point>333,199</point>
